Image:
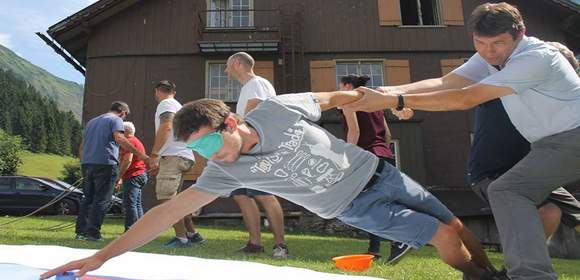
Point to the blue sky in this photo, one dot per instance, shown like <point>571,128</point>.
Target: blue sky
<point>20,19</point>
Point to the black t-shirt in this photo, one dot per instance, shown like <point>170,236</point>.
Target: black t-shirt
<point>497,145</point>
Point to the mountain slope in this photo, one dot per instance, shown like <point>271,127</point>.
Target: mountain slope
<point>67,95</point>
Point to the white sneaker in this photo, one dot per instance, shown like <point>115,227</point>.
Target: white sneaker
<point>280,251</point>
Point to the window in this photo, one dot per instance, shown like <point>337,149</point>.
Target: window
<point>27,185</point>
<point>421,12</point>
<point>395,149</point>
<point>373,69</point>
<point>230,13</point>
<point>219,86</point>
<point>5,184</point>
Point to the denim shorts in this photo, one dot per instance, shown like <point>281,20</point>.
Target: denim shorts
<point>397,208</point>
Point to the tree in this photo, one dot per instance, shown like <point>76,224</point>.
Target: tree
<point>71,172</point>
<point>36,119</point>
<point>10,153</point>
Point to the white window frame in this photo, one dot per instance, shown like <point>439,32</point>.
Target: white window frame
<point>231,96</point>
<point>228,21</point>
<point>359,62</point>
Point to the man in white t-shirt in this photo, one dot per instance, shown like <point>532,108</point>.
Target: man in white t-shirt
<point>170,160</point>
<point>240,67</point>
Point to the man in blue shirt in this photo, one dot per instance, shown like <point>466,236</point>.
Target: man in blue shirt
<point>99,155</point>
<point>540,92</point>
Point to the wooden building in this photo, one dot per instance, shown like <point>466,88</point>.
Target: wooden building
<point>299,45</point>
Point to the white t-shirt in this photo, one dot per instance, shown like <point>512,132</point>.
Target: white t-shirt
<point>256,88</point>
<point>172,147</point>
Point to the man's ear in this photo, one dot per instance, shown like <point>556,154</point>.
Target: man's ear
<point>521,33</point>
<point>231,123</point>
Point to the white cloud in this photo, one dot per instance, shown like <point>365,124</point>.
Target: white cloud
<point>6,40</point>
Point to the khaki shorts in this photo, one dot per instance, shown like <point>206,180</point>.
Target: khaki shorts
<point>170,176</point>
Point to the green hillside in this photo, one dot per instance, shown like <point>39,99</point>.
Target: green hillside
<point>67,95</point>
<point>43,165</point>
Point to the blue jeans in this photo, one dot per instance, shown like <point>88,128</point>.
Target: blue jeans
<point>98,185</point>
<point>132,189</point>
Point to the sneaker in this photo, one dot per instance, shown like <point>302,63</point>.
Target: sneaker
<point>196,239</point>
<point>398,250</point>
<point>280,251</point>
<point>80,237</point>
<point>251,248</point>
<point>176,243</point>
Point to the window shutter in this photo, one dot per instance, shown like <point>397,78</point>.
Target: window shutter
<point>448,65</point>
<point>323,75</point>
<point>265,69</point>
<point>389,12</point>
<point>397,72</point>
<point>452,12</point>
<point>197,168</point>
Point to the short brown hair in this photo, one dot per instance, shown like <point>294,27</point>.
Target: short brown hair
<point>165,86</point>
<point>494,19</point>
<point>196,114</point>
<point>119,107</point>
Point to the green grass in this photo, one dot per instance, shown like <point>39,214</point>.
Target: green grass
<point>43,165</point>
<point>306,250</point>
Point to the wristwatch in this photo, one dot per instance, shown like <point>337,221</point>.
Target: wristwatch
<point>400,102</point>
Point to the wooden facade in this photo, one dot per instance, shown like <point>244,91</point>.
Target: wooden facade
<point>125,45</point>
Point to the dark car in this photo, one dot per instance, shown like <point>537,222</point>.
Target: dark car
<point>25,194</point>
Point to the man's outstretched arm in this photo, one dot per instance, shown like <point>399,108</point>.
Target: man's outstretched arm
<point>333,99</point>
<point>443,100</point>
<point>146,229</point>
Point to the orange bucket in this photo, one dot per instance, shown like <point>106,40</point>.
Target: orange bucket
<point>354,262</point>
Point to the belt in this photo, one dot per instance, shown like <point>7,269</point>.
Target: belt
<point>375,176</point>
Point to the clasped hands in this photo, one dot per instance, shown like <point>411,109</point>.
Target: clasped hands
<point>379,99</point>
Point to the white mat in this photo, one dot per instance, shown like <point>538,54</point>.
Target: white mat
<point>160,267</point>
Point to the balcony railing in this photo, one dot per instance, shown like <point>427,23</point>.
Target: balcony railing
<point>258,20</point>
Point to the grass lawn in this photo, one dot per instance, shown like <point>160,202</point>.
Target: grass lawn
<point>306,250</point>
<point>42,165</point>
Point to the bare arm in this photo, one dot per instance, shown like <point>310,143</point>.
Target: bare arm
<point>252,103</point>
<point>333,99</point>
<point>146,229</point>
<point>125,163</point>
<point>163,132</point>
<point>123,142</point>
<point>443,100</point>
<point>455,99</point>
<point>81,146</point>
<point>352,124</point>
<point>449,81</point>
<point>388,136</point>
